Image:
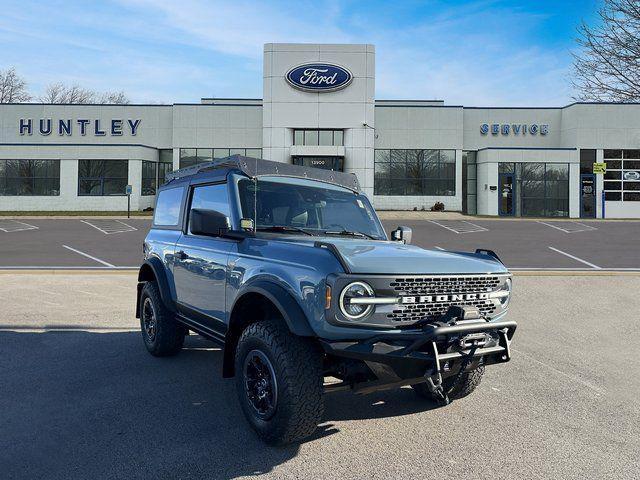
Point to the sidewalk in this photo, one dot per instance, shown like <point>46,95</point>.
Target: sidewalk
<point>428,216</point>
<point>420,215</point>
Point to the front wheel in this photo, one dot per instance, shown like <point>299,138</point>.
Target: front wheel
<point>465,385</point>
<point>279,382</point>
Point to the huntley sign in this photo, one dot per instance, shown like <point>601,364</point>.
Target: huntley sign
<point>67,127</point>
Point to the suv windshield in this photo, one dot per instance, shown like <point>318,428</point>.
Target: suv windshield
<point>305,206</point>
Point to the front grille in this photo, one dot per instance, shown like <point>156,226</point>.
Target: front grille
<point>445,285</point>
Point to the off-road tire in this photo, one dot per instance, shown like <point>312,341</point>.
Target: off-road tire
<point>465,385</point>
<point>297,365</point>
<point>169,334</point>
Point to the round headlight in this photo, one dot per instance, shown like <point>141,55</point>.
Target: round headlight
<point>349,305</point>
<point>505,287</point>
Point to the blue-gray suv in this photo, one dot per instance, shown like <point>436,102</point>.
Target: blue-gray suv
<point>290,269</point>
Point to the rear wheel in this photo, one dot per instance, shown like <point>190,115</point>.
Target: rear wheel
<point>162,334</point>
<point>465,385</point>
<point>279,382</point>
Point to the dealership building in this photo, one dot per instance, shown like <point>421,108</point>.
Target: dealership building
<point>319,109</point>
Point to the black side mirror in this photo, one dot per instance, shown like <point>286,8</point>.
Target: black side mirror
<point>209,222</point>
<point>402,234</point>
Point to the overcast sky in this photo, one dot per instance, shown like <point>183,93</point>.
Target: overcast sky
<point>474,53</point>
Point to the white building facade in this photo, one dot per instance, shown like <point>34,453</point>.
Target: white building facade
<point>319,109</point>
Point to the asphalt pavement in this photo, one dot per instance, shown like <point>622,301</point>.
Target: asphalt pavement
<point>521,244</point>
<point>81,398</point>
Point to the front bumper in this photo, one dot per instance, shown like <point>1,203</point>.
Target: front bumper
<point>413,356</point>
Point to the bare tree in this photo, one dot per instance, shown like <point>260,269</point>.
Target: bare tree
<point>119,98</point>
<point>75,94</point>
<point>61,93</point>
<point>608,66</point>
<point>13,89</point>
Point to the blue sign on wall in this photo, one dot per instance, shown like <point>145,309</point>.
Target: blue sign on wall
<point>319,77</point>
<point>67,127</point>
<point>514,129</point>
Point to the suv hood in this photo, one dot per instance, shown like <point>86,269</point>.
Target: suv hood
<point>387,257</point>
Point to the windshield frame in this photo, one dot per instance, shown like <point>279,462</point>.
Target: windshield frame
<point>291,180</point>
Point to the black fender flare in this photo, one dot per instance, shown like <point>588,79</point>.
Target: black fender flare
<point>288,307</point>
<point>284,302</point>
<point>157,267</point>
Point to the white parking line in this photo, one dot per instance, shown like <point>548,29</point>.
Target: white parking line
<point>452,228</point>
<point>89,256</point>
<point>576,258</point>
<point>88,293</point>
<point>109,227</point>
<point>585,228</point>
<point>575,378</point>
<point>10,226</point>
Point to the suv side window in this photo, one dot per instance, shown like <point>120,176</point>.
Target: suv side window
<point>167,212</point>
<point>210,197</point>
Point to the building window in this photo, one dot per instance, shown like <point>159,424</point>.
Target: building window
<point>163,169</point>
<point>103,177</point>
<point>165,164</point>
<point>30,177</point>
<point>542,189</point>
<point>318,137</point>
<point>622,179</point>
<point>154,174</point>
<point>469,182</point>
<point>149,177</point>
<point>587,159</point>
<point>415,172</point>
<point>194,156</point>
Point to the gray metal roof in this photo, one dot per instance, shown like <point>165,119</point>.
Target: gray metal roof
<point>254,167</point>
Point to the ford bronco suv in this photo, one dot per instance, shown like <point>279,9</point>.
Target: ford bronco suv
<point>290,269</point>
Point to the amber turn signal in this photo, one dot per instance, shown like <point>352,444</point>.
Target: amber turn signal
<point>327,298</point>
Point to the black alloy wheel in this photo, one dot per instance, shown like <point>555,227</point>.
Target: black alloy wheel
<point>261,386</point>
<point>149,319</point>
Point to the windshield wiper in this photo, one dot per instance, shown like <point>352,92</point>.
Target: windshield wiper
<point>350,233</point>
<point>284,228</point>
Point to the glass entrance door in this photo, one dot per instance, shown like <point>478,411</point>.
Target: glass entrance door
<point>506,194</point>
<point>587,196</point>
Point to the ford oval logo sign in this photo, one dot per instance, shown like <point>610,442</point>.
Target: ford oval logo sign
<point>319,77</point>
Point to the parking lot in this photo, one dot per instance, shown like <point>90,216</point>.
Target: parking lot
<point>80,397</point>
<point>521,244</point>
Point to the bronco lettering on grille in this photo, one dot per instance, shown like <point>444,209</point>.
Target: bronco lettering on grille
<point>444,298</point>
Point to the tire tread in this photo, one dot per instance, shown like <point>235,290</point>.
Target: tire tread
<point>299,368</point>
<point>169,333</point>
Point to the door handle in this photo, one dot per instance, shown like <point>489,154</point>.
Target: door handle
<point>181,255</point>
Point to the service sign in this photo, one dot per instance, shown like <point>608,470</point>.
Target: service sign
<point>514,129</point>
<point>319,77</point>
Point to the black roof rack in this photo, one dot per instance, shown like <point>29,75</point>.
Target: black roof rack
<point>254,167</point>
